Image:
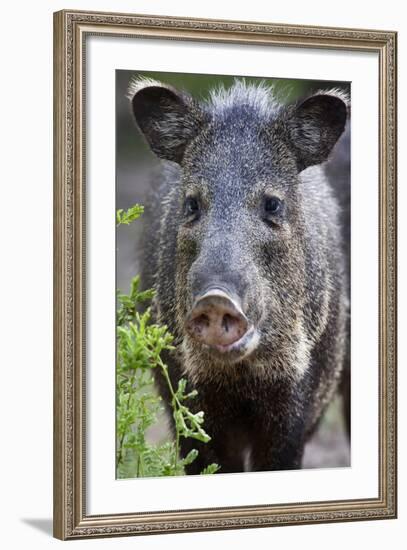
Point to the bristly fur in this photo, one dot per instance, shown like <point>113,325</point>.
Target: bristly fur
<point>291,274</point>
<point>138,83</point>
<point>336,92</point>
<point>260,97</point>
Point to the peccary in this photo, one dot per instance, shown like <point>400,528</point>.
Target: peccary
<point>243,245</point>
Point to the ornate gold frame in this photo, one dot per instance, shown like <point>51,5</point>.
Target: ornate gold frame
<point>70,31</point>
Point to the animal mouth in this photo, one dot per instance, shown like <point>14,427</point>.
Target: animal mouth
<point>242,347</point>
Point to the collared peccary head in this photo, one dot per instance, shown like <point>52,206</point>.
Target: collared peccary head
<point>241,253</point>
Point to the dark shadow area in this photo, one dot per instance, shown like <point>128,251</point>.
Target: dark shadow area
<point>41,524</point>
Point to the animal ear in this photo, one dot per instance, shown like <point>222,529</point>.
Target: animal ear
<point>315,125</point>
<point>168,118</point>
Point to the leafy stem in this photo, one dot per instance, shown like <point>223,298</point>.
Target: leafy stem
<point>140,344</point>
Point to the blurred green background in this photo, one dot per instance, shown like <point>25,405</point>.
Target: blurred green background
<point>134,165</point>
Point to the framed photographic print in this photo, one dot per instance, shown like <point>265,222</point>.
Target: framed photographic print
<point>225,274</point>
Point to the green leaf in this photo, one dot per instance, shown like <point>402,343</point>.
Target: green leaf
<point>191,456</point>
<point>210,469</point>
<point>128,216</point>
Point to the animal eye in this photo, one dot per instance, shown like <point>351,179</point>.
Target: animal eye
<point>191,207</point>
<point>272,206</point>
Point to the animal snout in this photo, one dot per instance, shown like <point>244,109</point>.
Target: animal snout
<point>217,320</point>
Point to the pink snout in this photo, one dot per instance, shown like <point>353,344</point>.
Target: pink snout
<point>217,320</point>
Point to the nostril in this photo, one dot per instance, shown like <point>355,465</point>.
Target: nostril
<point>227,322</point>
<point>234,326</point>
<point>200,323</point>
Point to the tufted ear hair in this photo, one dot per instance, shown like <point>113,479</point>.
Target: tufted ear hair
<point>315,125</point>
<point>168,119</point>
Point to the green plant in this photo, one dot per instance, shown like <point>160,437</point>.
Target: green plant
<point>125,217</point>
<point>140,344</point>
